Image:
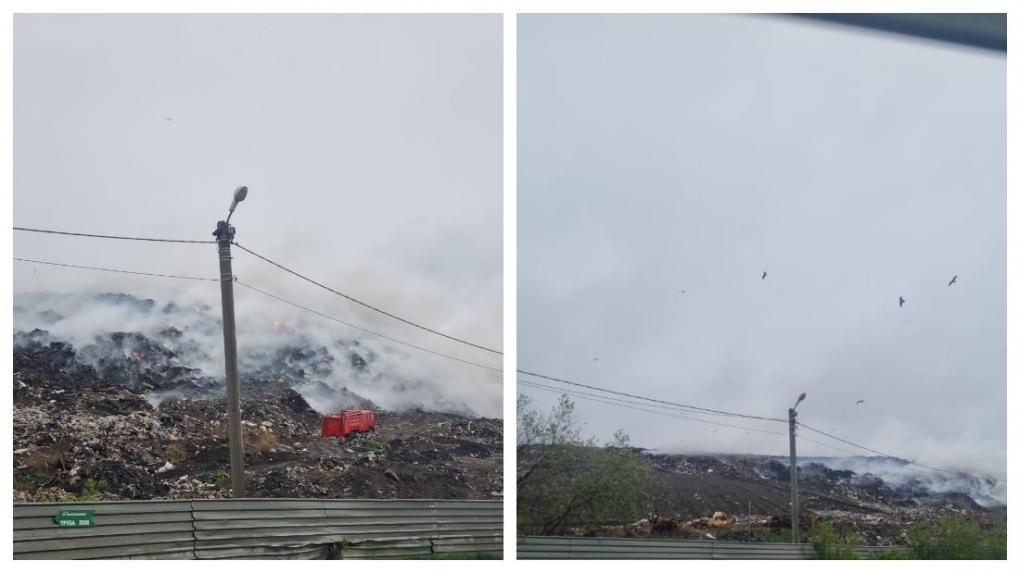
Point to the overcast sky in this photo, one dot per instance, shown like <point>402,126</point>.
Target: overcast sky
<point>372,147</point>
<point>665,162</point>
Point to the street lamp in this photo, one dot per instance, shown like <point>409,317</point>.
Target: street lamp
<point>795,510</point>
<point>224,236</point>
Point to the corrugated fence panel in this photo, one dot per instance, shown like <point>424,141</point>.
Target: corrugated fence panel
<point>237,528</point>
<point>468,544</point>
<point>260,529</point>
<point>126,530</point>
<point>412,528</point>
<point>529,547</point>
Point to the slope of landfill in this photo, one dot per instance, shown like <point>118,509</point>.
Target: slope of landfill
<point>746,498</point>
<point>126,417</point>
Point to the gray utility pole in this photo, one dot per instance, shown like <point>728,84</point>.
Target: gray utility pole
<point>795,513</point>
<point>794,506</point>
<point>224,235</point>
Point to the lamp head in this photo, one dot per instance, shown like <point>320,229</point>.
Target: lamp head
<point>800,399</point>
<point>239,194</point>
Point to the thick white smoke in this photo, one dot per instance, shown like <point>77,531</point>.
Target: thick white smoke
<point>393,376</point>
<point>897,473</point>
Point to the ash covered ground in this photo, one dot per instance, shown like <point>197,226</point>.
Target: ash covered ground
<point>878,498</point>
<point>135,414</point>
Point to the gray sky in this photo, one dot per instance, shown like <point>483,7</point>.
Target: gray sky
<point>663,154</point>
<point>372,147</point>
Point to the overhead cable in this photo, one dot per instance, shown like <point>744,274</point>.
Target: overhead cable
<point>113,270</point>
<point>363,329</point>
<point>625,404</point>
<point>700,410</point>
<point>119,237</point>
<point>364,304</point>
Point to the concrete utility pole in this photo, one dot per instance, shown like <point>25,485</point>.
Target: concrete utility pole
<point>224,234</point>
<point>794,509</point>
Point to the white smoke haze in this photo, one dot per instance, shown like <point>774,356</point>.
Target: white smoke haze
<point>986,492</point>
<point>666,161</point>
<point>372,149</point>
<point>395,377</point>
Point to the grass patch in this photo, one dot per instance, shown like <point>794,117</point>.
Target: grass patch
<point>30,479</point>
<point>484,555</point>
<point>377,445</point>
<point>90,489</point>
<point>221,479</point>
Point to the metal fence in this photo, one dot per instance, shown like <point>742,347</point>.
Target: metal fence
<point>633,548</point>
<point>260,529</point>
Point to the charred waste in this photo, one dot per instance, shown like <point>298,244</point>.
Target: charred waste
<point>139,412</point>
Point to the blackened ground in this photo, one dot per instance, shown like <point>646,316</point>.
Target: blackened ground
<point>86,427</point>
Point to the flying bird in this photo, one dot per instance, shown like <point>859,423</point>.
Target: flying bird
<point>764,274</point>
<point>953,282</point>
<point>902,300</point>
<point>859,402</point>
<point>168,119</point>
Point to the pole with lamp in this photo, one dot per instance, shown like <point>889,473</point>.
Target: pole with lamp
<point>224,234</point>
<point>795,510</point>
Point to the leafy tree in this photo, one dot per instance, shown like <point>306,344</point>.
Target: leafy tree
<point>565,480</point>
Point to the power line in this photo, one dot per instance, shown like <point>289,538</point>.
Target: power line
<point>112,270</point>
<point>274,263</point>
<point>363,329</point>
<point>365,304</point>
<point>911,462</point>
<point>830,446</point>
<point>624,404</point>
<point>697,408</point>
<point>123,238</point>
<point>671,409</point>
<point>380,335</point>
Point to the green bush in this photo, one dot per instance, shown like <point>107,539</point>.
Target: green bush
<point>892,554</point>
<point>221,479</point>
<point>957,538</point>
<point>90,489</point>
<point>829,545</point>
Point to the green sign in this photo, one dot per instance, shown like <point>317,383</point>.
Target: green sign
<point>75,518</point>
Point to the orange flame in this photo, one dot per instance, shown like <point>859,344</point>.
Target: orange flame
<point>137,356</point>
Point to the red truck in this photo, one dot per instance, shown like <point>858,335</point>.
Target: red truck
<point>340,424</point>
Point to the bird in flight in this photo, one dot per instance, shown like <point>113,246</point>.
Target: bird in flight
<point>859,402</point>
<point>764,274</point>
<point>902,300</point>
<point>168,119</point>
<point>952,282</point>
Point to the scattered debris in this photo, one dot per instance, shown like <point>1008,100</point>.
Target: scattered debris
<point>125,418</point>
<point>746,498</point>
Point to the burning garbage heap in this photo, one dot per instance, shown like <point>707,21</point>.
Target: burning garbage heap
<point>126,417</point>
<point>746,498</point>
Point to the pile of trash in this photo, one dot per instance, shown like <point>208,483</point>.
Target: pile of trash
<point>125,417</point>
<point>746,498</point>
